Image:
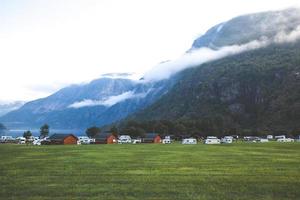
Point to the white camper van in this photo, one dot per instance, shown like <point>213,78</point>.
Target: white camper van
<point>227,139</point>
<point>212,140</point>
<point>124,139</point>
<point>84,140</point>
<point>285,140</point>
<point>262,140</point>
<point>167,140</point>
<point>21,140</point>
<point>189,141</point>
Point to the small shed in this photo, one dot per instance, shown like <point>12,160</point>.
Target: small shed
<point>151,138</point>
<point>63,139</point>
<point>105,138</point>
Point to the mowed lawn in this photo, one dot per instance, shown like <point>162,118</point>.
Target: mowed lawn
<point>151,171</point>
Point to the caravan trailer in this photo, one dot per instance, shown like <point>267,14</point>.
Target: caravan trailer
<point>21,140</point>
<point>227,139</point>
<point>189,141</point>
<point>124,139</point>
<point>212,140</point>
<point>167,140</point>
<point>84,140</point>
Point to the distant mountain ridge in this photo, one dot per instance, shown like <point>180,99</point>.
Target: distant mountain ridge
<point>6,107</point>
<point>246,28</point>
<point>102,101</point>
<point>192,93</point>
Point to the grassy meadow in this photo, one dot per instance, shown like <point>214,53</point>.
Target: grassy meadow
<point>151,171</point>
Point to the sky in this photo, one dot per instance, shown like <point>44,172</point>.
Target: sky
<point>48,44</point>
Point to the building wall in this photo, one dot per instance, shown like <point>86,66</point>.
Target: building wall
<point>111,139</point>
<point>157,139</point>
<point>70,140</point>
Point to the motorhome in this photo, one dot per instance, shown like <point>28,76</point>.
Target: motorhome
<point>285,140</point>
<point>227,139</point>
<point>270,137</point>
<point>212,140</point>
<point>167,140</point>
<point>189,141</point>
<point>280,137</point>
<point>6,139</point>
<point>262,140</point>
<point>124,139</point>
<point>21,140</point>
<point>84,140</point>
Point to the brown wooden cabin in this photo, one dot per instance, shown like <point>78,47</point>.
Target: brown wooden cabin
<point>151,138</point>
<point>63,139</point>
<point>105,138</point>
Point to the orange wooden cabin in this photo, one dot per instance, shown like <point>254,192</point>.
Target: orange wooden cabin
<point>63,139</point>
<point>105,138</point>
<point>151,138</point>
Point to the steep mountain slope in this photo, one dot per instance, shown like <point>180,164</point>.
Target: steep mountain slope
<point>100,102</point>
<point>259,89</point>
<point>6,107</point>
<point>250,27</point>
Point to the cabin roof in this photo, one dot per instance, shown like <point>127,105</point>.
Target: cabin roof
<point>103,135</point>
<point>151,135</point>
<point>57,136</point>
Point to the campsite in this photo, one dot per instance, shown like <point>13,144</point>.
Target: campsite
<point>151,171</point>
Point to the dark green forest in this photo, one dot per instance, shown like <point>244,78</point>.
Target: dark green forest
<point>256,92</point>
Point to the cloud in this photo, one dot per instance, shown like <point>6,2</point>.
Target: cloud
<point>108,102</point>
<point>204,55</point>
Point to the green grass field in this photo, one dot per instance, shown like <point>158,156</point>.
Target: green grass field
<point>151,171</point>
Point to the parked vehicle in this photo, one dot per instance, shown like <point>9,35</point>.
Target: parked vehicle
<point>124,139</point>
<point>189,141</point>
<point>285,140</point>
<point>270,137</point>
<point>227,140</point>
<point>280,137</point>
<point>262,140</point>
<point>7,139</point>
<point>135,141</point>
<point>212,140</point>
<point>251,138</point>
<point>167,140</point>
<point>21,140</point>
<point>84,140</point>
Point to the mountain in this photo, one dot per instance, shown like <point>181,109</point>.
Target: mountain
<point>255,90</point>
<point>3,129</point>
<point>251,89</point>
<point>102,101</point>
<point>244,29</point>
<point>6,107</point>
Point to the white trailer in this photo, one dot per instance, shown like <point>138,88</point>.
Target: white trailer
<point>285,140</point>
<point>227,140</point>
<point>189,141</point>
<point>84,140</point>
<point>212,140</point>
<point>124,139</point>
<point>167,140</point>
<point>262,140</point>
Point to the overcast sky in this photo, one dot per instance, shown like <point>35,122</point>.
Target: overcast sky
<point>48,44</point>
